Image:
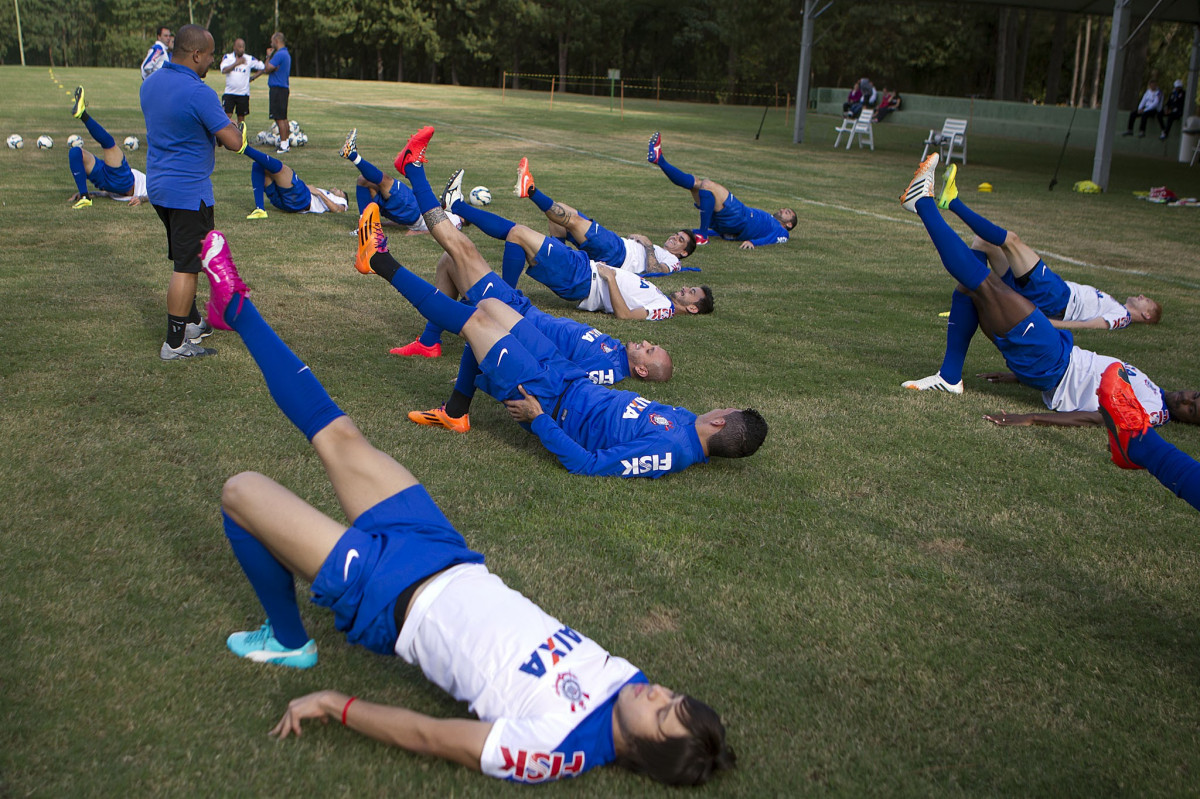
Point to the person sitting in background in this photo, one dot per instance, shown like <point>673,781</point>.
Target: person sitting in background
<point>890,102</point>
<point>1151,102</point>
<point>1172,109</point>
<point>853,104</point>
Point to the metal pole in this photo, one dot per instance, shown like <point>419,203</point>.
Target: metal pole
<point>191,15</point>
<point>806,41</point>
<point>1102,163</point>
<point>276,28</point>
<point>20,39</point>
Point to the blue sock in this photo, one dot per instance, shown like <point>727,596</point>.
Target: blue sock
<point>676,176</point>
<point>1174,468</point>
<point>369,170</point>
<point>75,160</point>
<point>258,181</point>
<point>102,136</point>
<point>707,204</point>
<point>512,264</point>
<point>541,200</point>
<point>959,259</point>
<point>293,386</point>
<point>426,199</point>
<point>272,582</point>
<point>495,226</point>
<point>991,233</point>
<point>364,197</point>
<point>468,370</point>
<point>435,306</point>
<point>964,320</point>
<point>268,163</point>
<point>431,335</point>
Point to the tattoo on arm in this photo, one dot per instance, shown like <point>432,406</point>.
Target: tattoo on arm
<point>433,217</point>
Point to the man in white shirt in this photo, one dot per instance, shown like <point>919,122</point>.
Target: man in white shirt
<point>239,69</point>
<point>1151,102</point>
<point>159,53</point>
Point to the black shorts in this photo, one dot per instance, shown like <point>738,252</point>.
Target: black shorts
<point>236,103</point>
<point>277,106</point>
<point>186,230</point>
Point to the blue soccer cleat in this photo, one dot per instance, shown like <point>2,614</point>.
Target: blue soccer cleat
<point>261,646</point>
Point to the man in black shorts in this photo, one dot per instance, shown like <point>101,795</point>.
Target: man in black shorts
<point>279,70</point>
<point>239,70</point>
<point>184,120</point>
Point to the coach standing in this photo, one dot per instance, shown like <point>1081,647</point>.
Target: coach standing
<point>279,70</point>
<point>184,120</point>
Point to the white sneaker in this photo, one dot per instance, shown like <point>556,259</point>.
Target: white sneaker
<point>185,350</point>
<point>453,191</point>
<point>921,184</point>
<point>933,383</point>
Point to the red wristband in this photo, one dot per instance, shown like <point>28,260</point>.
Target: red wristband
<point>349,702</point>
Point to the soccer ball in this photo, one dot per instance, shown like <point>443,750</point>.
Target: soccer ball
<point>298,139</point>
<point>15,142</point>
<point>131,142</point>
<point>44,142</point>
<point>74,140</point>
<point>263,137</point>
<point>480,196</point>
<point>294,126</point>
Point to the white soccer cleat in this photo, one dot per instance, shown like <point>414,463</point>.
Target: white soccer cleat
<point>922,183</point>
<point>933,383</point>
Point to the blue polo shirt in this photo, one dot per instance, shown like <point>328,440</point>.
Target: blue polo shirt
<point>282,59</point>
<point>183,115</point>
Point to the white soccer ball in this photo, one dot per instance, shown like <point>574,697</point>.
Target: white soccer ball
<point>74,140</point>
<point>131,142</point>
<point>480,196</point>
<point>298,140</point>
<point>44,142</point>
<point>294,126</point>
<point>15,142</point>
<point>263,137</point>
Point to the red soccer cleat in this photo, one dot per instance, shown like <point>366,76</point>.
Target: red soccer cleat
<point>524,179</point>
<point>1123,414</point>
<point>414,151</point>
<point>417,348</point>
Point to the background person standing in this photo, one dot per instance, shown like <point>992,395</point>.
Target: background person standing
<point>237,68</point>
<point>158,54</point>
<point>279,70</point>
<point>184,120</point>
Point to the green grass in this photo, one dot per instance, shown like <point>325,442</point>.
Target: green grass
<point>892,597</point>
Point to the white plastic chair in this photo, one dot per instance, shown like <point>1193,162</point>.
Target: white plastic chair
<point>953,134</point>
<point>863,127</point>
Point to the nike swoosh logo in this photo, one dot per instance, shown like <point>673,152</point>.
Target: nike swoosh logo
<point>486,289</point>
<point>302,369</point>
<point>350,556</point>
<point>1026,330</point>
<point>549,247</point>
<point>500,357</point>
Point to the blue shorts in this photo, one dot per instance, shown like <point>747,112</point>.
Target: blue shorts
<point>400,205</point>
<point>564,270</point>
<point>491,287</point>
<point>118,180</point>
<point>604,246</point>
<point>1044,289</point>
<point>393,545</point>
<point>1037,352</point>
<point>732,219</point>
<point>526,357</point>
<point>294,200</point>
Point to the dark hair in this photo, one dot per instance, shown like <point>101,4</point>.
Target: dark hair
<point>691,759</point>
<point>742,435</point>
<point>705,304</point>
<point>191,39</point>
<point>162,28</point>
<point>795,219</point>
<point>690,247</point>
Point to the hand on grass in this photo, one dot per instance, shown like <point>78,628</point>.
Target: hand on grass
<point>746,245</point>
<point>321,705</point>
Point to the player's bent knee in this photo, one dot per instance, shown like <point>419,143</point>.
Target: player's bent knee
<point>241,489</point>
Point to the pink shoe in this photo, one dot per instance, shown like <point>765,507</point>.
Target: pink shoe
<point>224,281</point>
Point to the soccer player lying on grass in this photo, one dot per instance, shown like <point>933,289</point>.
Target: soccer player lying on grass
<point>575,277</point>
<point>634,253</point>
<point>110,173</point>
<point>605,359</point>
<point>551,703</point>
<point>722,214</point>
<point>1069,306</point>
<point>1039,355</point>
<point>1134,444</point>
<point>592,430</point>
<point>396,202</point>
<point>271,177</point>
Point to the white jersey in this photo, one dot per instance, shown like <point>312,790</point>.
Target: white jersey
<point>635,258</point>
<point>637,291</point>
<point>237,80</point>
<point>155,59</point>
<point>545,688</point>
<point>1089,302</point>
<point>1077,389</point>
<point>139,186</point>
<point>315,206</point>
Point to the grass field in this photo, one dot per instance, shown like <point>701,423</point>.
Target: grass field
<point>892,597</point>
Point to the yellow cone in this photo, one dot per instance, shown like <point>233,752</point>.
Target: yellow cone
<point>985,187</point>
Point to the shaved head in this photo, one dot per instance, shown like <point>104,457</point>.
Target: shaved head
<point>191,39</point>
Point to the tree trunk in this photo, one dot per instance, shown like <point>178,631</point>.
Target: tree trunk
<point>563,42</point>
<point>454,73</point>
<point>378,62</point>
<point>1098,65</point>
<point>400,65</point>
<point>1002,54</point>
<point>516,70</point>
<point>731,69</point>
<point>1017,90</point>
<point>1054,70</point>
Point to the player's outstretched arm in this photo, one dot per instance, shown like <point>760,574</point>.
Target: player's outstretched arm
<point>1098,323</point>
<point>459,740</point>
<point>1064,419</point>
